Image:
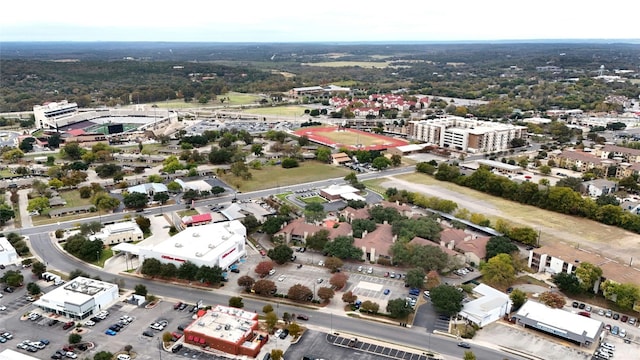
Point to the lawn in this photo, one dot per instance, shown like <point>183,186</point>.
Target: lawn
<point>73,198</point>
<point>556,226</point>
<point>288,111</point>
<point>234,99</point>
<point>189,212</point>
<point>275,176</point>
<point>312,199</point>
<point>7,174</point>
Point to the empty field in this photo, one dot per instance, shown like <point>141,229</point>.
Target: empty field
<point>289,111</point>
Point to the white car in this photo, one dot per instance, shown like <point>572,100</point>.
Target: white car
<point>272,271</point>
<point>360,268</point>
<point>321,263</point>
<point>370,270</point>
<point>156,326</point>
<point>123,357</point>
<point>3,308</point>
<point>71,355</point>
<point>281,278</point>
<point>89,323</point>
<point>7,335</point>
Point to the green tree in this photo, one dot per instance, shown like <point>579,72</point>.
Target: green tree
<point>326,294</point>
<point>396,160</point>
<point>188,271</point>
<point>151,267</point>
<point>500,245</point>
<point>318,240</point>
<point>38,268</point>
<point>161,197</point>
<point>140,290</point>
<point>314,212</point>
<point>103,355</point>
<point>12,278</point>
<point>398,308</point>
<point>545,169</point>
<point>342,247</point>
<point>351,178</point>
<point>72,151</point>
<point>236,302</point>
<point>446,299</point>
<point>370,307</point>
<point>381,163</point>
<point>105,202</point>
<point>280,254</point>
<point>323,154</point>
<point>246,282</point>
<point>425,168</point>
<point>271,319</point>
<point>33,288</point>
<point>40,204</point>
<point>415,277</point>
<point>144,224</point>
<point>174,187</point>
<point>518,298</point>
<point>333,264</point>
<point>267,308</point>
<point>272,224</point>
<point>568,283</point>
<point>135,200</point>
<point>75,338</point>
<point>6,213</point>
<point>499,270</point>
<point>588,274</point>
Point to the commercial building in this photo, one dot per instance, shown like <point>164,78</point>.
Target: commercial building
<point>468,135</point>
<point>337,192</point>
<point>8,254</point>
<point>148,189</point>
<point>196,220</point>
<point>230,330</point>
<point>490,305</point>
<point>218,244</point>
<point>9,354</point>
<point>564,324</point>
<point>318,92</point>
<point>127,231</point>
<point>79,298</point>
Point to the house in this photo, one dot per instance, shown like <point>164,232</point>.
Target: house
<point>127,231</point>
<point>631,206</point>
<point>82,209</point>
<point>376,243</point>
<point>149,189</point>
<point>456,257</point>
<point>403,209</point>
<point>351,214</point>
<point>597,187</point>
<point>340,158</point>
<point>298,230</point>
<point>473,247</point>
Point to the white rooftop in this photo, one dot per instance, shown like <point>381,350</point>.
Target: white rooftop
<point>77,291</point>
<point>498,165</point>
<point>9,354</point>
<point>144,188</point>
<point>489,299</point>
<point>559,319</point>
<point>339,189</point>
<point>411,147</point>
<point>202,241</point>
<point>223,322</point>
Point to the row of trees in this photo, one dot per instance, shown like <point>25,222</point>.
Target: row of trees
<point>556,198</point>
<point>187,271</point>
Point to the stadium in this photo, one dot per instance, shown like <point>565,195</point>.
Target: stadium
<point>64,116</point>
<point>351,139</point>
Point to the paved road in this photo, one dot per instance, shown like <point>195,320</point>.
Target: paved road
<point>326,318</point>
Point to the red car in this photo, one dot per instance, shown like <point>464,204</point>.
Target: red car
<point>302,317</point>
<point>263,253</point>
<point>68,325</point>
<point>176,306</point>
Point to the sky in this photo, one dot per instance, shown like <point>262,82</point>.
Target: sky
<point>317,21</point>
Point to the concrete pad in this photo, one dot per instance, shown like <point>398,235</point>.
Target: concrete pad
<point>368,286</point>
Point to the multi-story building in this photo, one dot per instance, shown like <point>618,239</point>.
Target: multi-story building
<point>318,92</point>
<point>54,114</point>
<point>468,135</point>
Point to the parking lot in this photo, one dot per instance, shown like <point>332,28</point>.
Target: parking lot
<point>372,287</point>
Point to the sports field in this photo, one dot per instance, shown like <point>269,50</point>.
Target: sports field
<point>349,138</point>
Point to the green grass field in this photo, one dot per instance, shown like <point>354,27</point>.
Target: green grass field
<point>73,198</point>
<point>362,64</point>
<point>277,110</point>
<point>275,176</point>
<point>312,199</point>
<point>234,99</point>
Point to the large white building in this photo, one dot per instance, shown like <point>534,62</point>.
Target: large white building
<point>489,306</point>
<point>218,244</point>
<point>79,298</point>
<point>8,254</point>
<point>127,231</point>
<point>54,114</point>
<point>468,135</point>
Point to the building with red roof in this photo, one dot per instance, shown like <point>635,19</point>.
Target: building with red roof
<point>195,220</point>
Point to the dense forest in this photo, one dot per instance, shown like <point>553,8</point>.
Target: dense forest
<point>507,75</point>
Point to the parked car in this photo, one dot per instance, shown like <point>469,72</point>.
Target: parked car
<point>387,291</point>
<point>147,333</point>
<point>284,334</point>
<point>110,332</point>
<point>464,345</point>
<point>177,305</point>
<point>176,348</point>
<point>68,325</point>
<point>624,318</point>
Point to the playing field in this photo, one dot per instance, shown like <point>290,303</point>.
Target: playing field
<point>349,138</point>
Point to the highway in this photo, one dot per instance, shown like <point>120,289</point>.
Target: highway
<point>417,337</point>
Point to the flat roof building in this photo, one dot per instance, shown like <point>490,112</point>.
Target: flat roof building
<point>79,298</point>
<point>218,244</point>
<point>336,192</point>
<point>127,231</point>
<point>149,188</point>
<point>564,324</point>
<point>230,330</point>
<point>489,306</point>
<point>8,254</point>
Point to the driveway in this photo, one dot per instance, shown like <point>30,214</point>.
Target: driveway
<point>24,203</point>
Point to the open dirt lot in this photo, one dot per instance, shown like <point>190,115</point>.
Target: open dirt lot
<point>614,242</point>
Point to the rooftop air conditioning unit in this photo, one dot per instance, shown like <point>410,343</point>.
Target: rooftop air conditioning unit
<point>195,234</point>
<point>199,254</point>
<point>211,246</point>
<point>178,245</point>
